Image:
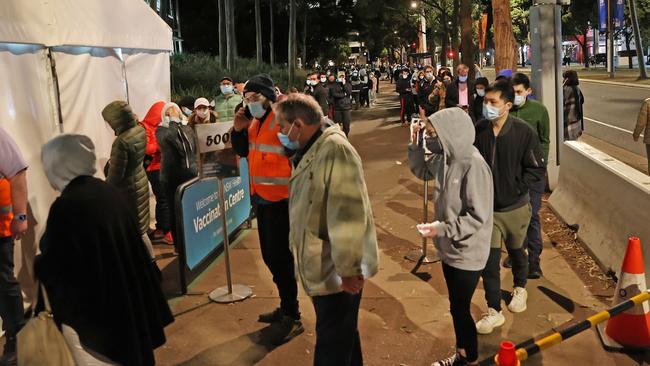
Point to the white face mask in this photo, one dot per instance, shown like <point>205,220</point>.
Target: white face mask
<point>480,92</point>
<point>322,80</point>
<point>202,113</point>
<point>520,100</point>
<point>257,109</point>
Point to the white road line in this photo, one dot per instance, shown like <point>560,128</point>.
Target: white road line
<point>609,125</point>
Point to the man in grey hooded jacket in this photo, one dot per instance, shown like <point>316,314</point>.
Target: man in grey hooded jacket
<point>463,216</point>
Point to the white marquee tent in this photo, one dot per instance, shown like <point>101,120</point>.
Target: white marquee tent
<point>61,62</point>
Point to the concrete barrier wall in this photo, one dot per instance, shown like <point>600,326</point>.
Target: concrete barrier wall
<point>609,200</point>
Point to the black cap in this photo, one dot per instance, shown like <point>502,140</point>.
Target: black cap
<point>187,101</point>
<point>262,84</point>
<point>482,81</point>
<point>227,78</point>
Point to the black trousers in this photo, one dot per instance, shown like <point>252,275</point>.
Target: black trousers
<point>492,274</point>
<point>461,286</point>
<point>365,97</point>
<point>162,207</point>
<point>337,333</point>
<point>343,117</point>
<point>11,299</point>
<point>273,228</point>
<point>534,242</point>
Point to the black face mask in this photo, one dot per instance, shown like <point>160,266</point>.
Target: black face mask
<point>434,145</point>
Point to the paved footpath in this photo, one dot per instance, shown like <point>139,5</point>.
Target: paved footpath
<point>404,318</point>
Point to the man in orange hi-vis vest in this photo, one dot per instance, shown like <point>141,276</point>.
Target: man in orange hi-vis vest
<point>13,224</point>
<point>256,136</point>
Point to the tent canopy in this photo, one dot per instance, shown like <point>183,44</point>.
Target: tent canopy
<point>95,23</point>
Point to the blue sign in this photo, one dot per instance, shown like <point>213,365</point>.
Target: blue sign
<point>202,224</point>
<point>618,7</point>
<point>602,15</point>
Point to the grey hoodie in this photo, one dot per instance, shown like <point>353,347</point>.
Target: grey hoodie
<point>463,191</point>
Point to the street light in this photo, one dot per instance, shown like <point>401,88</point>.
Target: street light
<point>414,4</point>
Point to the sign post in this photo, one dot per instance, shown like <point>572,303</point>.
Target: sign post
<point>421,255</point>
<point>218,159</point>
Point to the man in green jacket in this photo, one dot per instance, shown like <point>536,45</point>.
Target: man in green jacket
<point>332,229</point>
<point>226,102</point>
<point>535,114</point>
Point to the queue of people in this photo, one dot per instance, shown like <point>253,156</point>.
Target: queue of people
<point>485,144</point>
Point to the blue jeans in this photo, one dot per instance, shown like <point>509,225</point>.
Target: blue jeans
<point>11,299</point>
<point>337,334</point>
<point>533,241</point>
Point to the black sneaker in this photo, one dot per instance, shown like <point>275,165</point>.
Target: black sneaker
<point>273,317</point>
<point>290,328</point>
<point>507,263</point>
<point>535,272</point>
<point>455,360</point>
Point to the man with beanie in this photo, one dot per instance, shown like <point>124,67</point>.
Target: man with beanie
<point>13,224</point>
<point>126,168</point>
<point>267,150</point>
<point>479,95</point>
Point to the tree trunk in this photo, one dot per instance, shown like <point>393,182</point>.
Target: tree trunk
<point>628,41</point>
<point>233,33</point>
<point>291,61</point>
<point>467,36</point>
<point>222,33</point>
<point>643,74</point>
<point>454,32</point>
<point>504,39</point>
<point>304,38</point>
<point>444,38</point>
<point>230,46</point>
<point>585,48</point>
<point>271,35</point>
<point>258,32</point>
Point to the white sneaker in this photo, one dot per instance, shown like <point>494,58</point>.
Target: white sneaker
<point>454,360</point>
<point>518,303</point>
<point>489,321</point>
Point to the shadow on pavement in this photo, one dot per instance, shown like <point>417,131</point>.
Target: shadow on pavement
<point>245,350</point>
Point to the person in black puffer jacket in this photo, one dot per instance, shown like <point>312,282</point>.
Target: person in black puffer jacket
<point>340,94</point>
<point>178,153</point>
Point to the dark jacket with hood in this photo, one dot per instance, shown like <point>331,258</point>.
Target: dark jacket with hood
<point>99,277</point>
<point>463,192</point>
<point>126,170</point>
<point>515,158</point>
<point>321,94</point>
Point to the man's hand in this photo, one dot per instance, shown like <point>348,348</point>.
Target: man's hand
<point>416,129</point>
<point>18,228</point>
<point>352,285</point>
<point>241,122</point>
<point>427,230</point>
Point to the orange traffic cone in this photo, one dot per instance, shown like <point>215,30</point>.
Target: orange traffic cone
<point>631,328</point>
<point>507,355</point>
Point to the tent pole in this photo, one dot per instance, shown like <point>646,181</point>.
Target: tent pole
<point>57,91</point>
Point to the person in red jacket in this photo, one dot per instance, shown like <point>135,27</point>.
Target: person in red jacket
<point>152,165</point>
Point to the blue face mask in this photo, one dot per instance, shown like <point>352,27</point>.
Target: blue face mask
<point>226,89</point>
<point>257,109</point>
<point>462,79</point>
<point>491,113</point>
<point>286,142</point>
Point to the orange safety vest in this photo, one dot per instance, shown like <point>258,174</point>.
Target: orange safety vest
<point>269,165</point>
<point>6,214</point>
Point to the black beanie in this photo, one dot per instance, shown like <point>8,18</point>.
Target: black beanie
<point>482,81</point>
<point>262,84</point>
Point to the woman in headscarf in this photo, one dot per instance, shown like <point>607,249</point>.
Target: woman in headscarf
<point>100,281</point>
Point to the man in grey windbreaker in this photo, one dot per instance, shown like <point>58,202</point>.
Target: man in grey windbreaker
<point>463,216</point>
<point>332,229</point>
